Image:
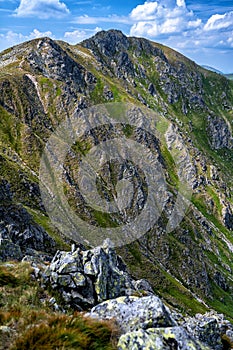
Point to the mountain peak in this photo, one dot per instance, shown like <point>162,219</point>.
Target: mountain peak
<point>107,42</point>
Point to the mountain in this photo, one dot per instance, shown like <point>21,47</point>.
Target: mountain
<point>212,69</point>
<point>229,76</point>
<point>45,82</point>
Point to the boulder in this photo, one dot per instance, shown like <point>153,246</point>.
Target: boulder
<point>159,339</point>
<point>133,313</point>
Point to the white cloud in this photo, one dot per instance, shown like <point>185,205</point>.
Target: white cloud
<point>78,35</point>
<point>85,19</point>
<point>155,18</point>
<point>42,8</point>
<point>180,3</point>
<point>147,11</point>
<point>173,24</point>
<point>12,38</point>
<point>217,21</point>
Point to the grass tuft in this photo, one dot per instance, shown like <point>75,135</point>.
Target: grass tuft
<point>34,325</point>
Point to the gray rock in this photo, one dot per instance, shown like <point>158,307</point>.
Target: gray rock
<point>143,286</point>
<point>85,278</point>
<point>9,250</point>
<point>159,339</point>
<point>134,313</point>
<point>5,191</point>
<point>209,328</point>
<point>220,135</point>
<point>227,215</point>
<point>152,89</point>
<point>20,235</point>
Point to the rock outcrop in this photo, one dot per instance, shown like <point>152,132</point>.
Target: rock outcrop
<point>98,277</point>
<point>210,328</point>
<point>21,236</point>
<point>220,134</point>
<point>87,277</point>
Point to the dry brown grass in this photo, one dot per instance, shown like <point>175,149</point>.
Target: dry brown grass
<point>25,309</point>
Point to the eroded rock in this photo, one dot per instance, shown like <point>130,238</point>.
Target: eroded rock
<point>87,277</point>
<point>133,313</point>
<point>159,339</point>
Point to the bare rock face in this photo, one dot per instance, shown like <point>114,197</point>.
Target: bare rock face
<point>227,214</point>
<point>220,134</point>
<point>53,62</point>
<point>21,236</point>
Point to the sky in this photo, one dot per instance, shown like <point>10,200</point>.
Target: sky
<point>200,29</point>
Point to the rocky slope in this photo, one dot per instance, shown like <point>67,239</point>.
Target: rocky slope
<point>44,82</point>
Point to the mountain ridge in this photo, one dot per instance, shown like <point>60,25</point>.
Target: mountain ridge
<point>44,82</point>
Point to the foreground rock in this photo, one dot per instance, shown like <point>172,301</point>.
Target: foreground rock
<point>146,323</point>
<point>87,277</point>
<point>160,339</point>
<point>98,278</point>
<point>133,313</point>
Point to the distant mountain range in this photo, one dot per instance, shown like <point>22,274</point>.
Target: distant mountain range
<point>229,75</point>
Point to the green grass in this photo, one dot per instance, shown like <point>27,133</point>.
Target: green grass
<point>82,147</point>
<point>212,192</point>
<point>222,301</point>
<point>9,130</point>
<point>104,219</point>
<point>97,94</point>
<point>164,285</point>
<point>25,309</point>
<point>170,166</point>
<point>44,221</point>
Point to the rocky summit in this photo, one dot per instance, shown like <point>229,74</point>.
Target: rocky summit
<point>168,271</point>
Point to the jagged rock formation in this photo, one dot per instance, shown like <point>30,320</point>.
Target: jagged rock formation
<point>21,236</point>
<point>85,278</point>
<point>44,82</point>
<point>99,277</point>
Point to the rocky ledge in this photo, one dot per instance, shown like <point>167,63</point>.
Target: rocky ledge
<point>97,281</point>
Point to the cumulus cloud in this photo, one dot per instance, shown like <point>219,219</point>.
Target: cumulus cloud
<point>176,26</point>
<point>147,11</point>
<point>43,9</point>
<point>155,18</point>
<point>217,21</point>
<point>12,38</point>
<point>76,36</point>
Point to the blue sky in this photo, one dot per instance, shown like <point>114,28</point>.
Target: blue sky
<point>201,30</point>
